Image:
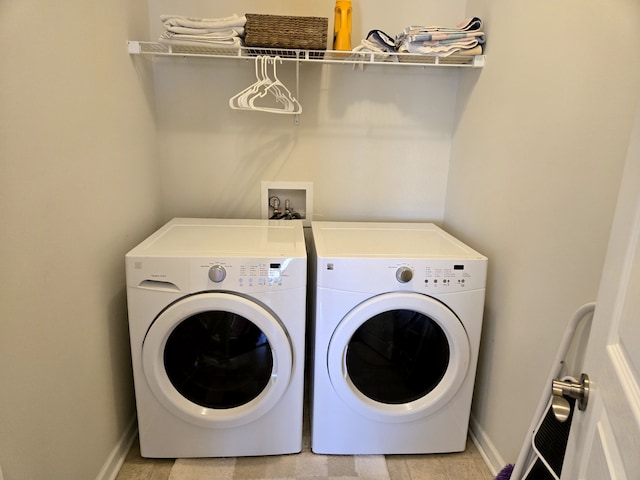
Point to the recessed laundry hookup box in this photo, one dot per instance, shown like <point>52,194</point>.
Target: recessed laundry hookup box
<point>287,201</point>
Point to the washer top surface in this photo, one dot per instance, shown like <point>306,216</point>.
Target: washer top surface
<point>189,237</point>
<point>387,240</point>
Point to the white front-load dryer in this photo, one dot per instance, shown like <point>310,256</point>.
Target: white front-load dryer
<point>396,329</point>
<point>217,328</point>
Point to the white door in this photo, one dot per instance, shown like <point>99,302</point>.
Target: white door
<point>605,439</point>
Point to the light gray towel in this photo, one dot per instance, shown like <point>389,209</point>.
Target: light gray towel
<point>204,23</point>
<point>223,31</point>
<point>194,40</point>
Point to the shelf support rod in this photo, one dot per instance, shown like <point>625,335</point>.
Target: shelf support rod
<point>296,119</point>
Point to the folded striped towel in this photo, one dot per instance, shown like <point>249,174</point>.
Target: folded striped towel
<point>443,41</point>
<point>442,50</point>
<point>467,25</point>
<point>443,36</point>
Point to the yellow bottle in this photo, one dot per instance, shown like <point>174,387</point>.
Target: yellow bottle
<point>342,25</point>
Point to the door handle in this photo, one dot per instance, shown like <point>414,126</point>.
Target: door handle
<point>560,405</point>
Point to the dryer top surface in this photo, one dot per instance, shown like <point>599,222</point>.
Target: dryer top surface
<point>189,237</point>
<point>388,240</point>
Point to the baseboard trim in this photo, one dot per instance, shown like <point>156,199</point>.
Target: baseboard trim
<point>485,446</point>
<point>111,467</point>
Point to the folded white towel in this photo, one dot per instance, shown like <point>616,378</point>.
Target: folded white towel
<point>193,40</point>
<point>224,31</point>
<point>193,22</point>
<point>367,46</point>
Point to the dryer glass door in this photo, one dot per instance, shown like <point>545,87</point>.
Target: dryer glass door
<point>398,356</point>
<point>217,359</point>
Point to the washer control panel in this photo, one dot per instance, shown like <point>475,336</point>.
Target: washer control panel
<point>246,274</point>
<point>262,274</point>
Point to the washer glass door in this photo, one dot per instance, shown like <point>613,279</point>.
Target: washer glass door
<point>398,356</point>
<point>217,359</point>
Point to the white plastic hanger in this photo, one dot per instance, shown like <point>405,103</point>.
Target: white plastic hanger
<point>263,87</point>
<point>240,100</point>
<point>281,93</point>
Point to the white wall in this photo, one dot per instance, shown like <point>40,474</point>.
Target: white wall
<point>78,188</point>
<point>540,143</point>
<point>375,143</point>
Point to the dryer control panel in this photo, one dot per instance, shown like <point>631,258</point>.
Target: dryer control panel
<point>453,276</point>
<point>440,275</point>
<point>427,276</point>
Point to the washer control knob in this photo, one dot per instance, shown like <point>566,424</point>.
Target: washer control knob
<point>217,273</point>
<point>404,274</point>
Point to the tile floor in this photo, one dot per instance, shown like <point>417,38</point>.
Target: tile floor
<point>467,465</point>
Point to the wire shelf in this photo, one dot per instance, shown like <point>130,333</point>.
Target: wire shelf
<point>316,56</point>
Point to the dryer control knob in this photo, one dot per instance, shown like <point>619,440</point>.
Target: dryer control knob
<point>217,273</point>
<point>404,274</point>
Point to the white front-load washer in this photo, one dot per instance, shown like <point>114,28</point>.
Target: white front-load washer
<point>396,329</point>
<point>217,328</point>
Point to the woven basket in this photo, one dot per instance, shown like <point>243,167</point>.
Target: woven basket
<point>277,31</point>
